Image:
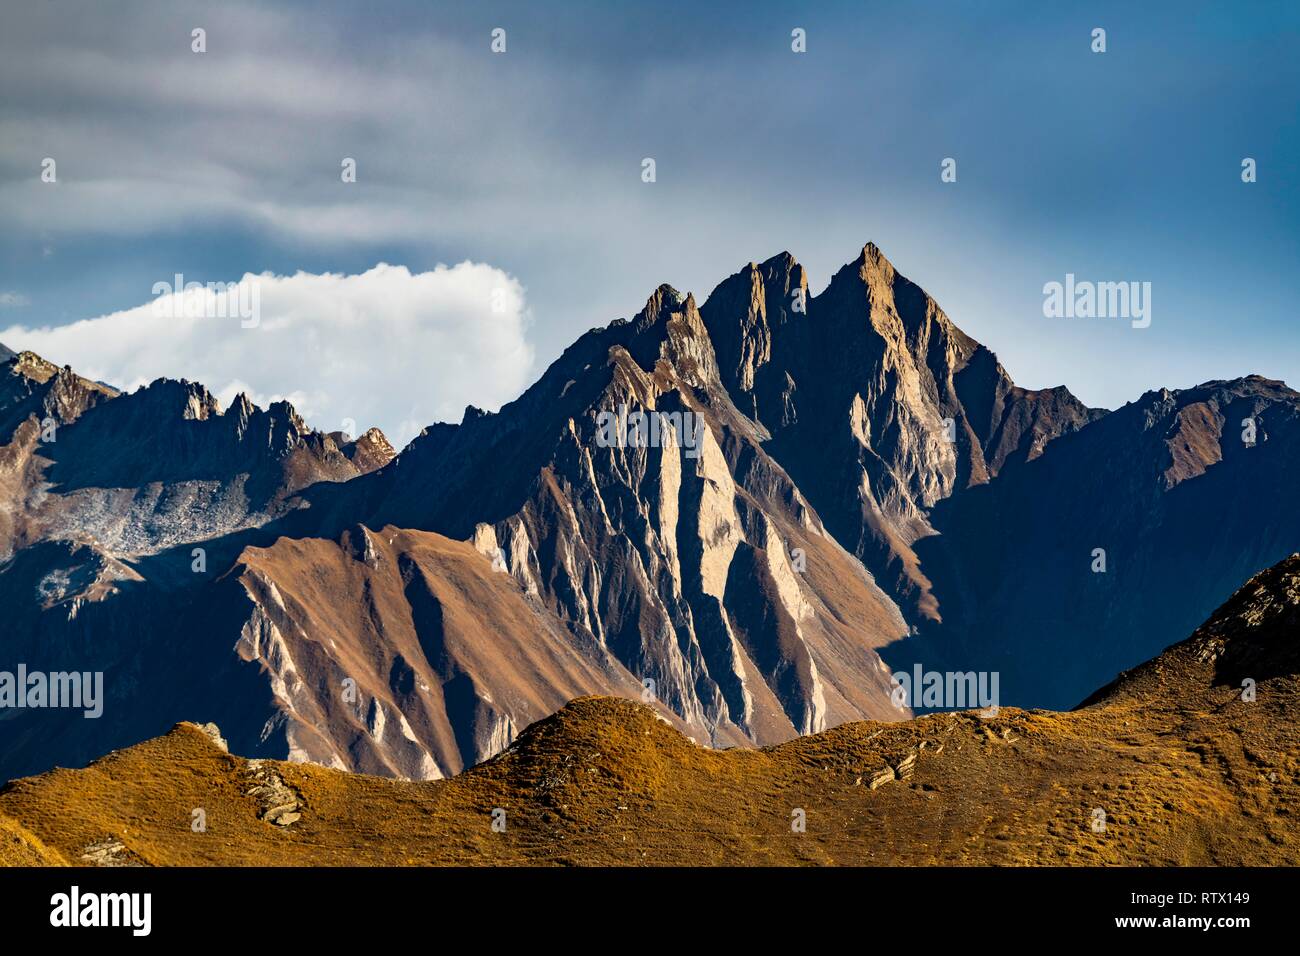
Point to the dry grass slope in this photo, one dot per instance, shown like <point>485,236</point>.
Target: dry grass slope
<point>18,847</point>
<point>1184,770</point>
<point>605,781</point>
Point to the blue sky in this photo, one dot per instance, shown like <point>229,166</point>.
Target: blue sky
<point>1117,166</point>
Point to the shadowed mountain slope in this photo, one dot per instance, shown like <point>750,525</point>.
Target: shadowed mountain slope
<point>1181,505</point>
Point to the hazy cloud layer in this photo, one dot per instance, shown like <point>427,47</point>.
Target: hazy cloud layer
<point>386,347</point>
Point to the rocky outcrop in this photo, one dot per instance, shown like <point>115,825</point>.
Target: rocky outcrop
<point>109,851</point>
<point>278,804</point>
<point>367,453</point>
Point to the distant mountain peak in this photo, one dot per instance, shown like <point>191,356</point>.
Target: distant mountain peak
<point>871,253</point>
<point>662,303</point>
<point>242,405</point>
<point>782,261</point>
<point>30,365</point>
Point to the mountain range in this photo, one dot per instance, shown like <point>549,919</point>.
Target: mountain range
<point>862,488</point>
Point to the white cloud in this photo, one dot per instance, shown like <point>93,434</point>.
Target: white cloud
<point>13,300</point>
<point>386,347</point>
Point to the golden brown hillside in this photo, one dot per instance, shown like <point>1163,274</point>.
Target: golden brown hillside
<point>1184,769</point>
<point>18,847</point>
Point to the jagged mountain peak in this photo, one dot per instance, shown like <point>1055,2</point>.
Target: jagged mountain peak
<point>32,366</point>
<point>745,316</point>
<point>675,559</point>
<point>242,407</point>
<point>1237,387</point>
<point>869,267</point>
<point>285,408</point>
<point>1218,399</point>
<point>877,404</point>
<point>900,311</point>
<point>35,392</point>
<point>661,304</point>
<point>166,401</point>
<point>370,451</point>
<point>167,395</point>
<point>871,255</point>
<point>782,262</point>
<point>38,369</point>
<point>1245,385</point>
